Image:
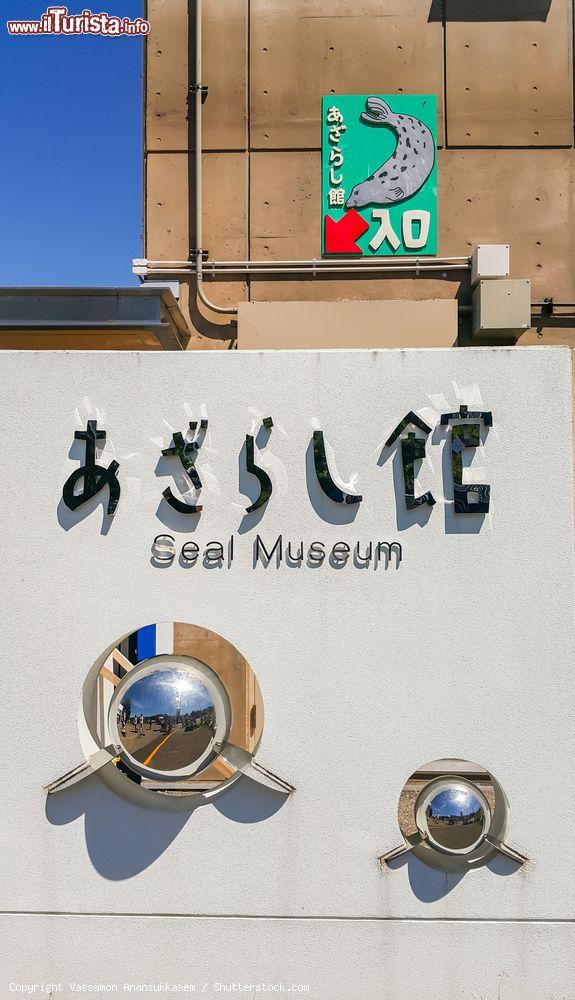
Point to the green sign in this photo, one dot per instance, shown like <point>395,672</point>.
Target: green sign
<point>379,175</point>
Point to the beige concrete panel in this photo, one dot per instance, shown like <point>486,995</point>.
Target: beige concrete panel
<point>285,224</point>
<point>225,228</point>
<point>517,196</point>
<point>285,203</point>
<point>224,209</point>
<point>224,205</point>
<point>355,289</point>
<point>167,224</point>
<point>510,83</point>
<point>317,325</point>
<point>303,49</point>
<point>224,54</point>
<point>167,75</point>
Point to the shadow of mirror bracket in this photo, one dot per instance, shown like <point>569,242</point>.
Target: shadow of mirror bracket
<point>244,761</point>
<point>507,851</point>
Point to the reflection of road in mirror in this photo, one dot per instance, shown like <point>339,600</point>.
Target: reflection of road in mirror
<point>455,819</point>
<point>166,720</point>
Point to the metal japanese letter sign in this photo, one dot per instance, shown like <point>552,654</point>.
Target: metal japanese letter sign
<point>379,175</point>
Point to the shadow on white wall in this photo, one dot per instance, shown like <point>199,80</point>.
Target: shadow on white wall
<point>431,884</point>
<point>124,839</point>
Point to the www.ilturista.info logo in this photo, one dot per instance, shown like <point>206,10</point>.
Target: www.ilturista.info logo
<point>57,21</point>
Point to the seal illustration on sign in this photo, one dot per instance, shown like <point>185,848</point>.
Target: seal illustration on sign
<point>409,166</point>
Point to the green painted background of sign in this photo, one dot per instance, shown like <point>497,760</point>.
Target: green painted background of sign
<point>365,148</point>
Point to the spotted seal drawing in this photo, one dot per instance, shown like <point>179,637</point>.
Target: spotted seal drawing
<point>406,170</point>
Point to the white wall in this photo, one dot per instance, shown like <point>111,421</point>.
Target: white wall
<point>465,650</point>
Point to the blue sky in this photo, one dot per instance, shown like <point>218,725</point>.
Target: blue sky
<point>163,691</point>
<point>452,802</point>
<point>71,166</point>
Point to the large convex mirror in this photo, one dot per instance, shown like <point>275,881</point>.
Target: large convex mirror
<point>166,720</point>
<point>171,710</point>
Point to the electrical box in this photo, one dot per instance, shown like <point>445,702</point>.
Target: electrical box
<point>490,260</point>
<point>501,308</point>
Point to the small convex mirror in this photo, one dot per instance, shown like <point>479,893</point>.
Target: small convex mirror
<point>454,815</point>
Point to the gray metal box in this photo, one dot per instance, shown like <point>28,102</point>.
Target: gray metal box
<point>489,260</point>
<point>502,307</point>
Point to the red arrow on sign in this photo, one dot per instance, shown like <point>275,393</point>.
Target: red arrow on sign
<point>340,236</point>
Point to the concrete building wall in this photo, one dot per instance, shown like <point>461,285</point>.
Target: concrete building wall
<point>502,73</point>
<point>465,649</point>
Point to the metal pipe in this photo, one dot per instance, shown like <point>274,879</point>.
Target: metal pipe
<point>304,272</point>
<point>332,268</point>
<point>230,311</point>
<point>213,269</point>
<point>314,261</point>
<point>556,305</point>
